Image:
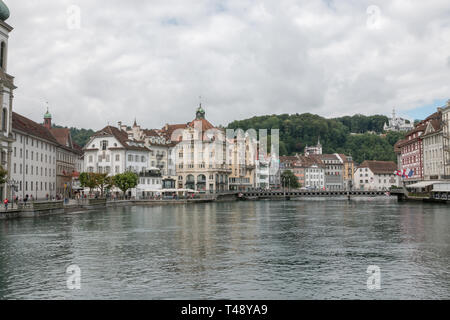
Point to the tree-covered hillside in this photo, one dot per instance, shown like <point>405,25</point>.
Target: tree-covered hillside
<point>79,136</point>
<point>300,130</point>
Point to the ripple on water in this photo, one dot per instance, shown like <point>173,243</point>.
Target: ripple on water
<point>246,250</point>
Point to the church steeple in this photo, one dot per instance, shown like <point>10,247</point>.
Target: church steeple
<point>200,113</point>
<point>48,120</point>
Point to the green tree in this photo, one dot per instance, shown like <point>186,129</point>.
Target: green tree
<point>89,180</point>
<point>3,175</point>
<point>104,182</point>
<point>288,178</point>
<point>125,181</point>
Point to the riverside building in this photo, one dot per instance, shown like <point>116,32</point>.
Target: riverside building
<point>33,159</point>
<point>376,176</point>
<point>7,88</point>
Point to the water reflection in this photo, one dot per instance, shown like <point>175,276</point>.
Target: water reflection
<point>248,250</point>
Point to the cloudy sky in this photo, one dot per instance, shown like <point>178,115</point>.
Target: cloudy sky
<point>152,59</point>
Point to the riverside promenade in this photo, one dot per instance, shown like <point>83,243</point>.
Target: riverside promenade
<point>45,208</point>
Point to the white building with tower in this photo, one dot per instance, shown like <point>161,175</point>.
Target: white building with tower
<point>398,124</point>
<point>314,149</point>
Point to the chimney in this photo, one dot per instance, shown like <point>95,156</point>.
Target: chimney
<point>119,125</point>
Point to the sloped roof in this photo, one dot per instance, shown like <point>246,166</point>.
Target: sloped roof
<point>62,135</point>
<point>380,167</point>
<point>205,124</point>
<point>30,127</point>
<point>120,135</point>
<point>169,129</point>
<point>308,161</point>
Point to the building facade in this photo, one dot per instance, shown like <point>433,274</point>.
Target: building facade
<point>67,158</point>
<point>33,159</point>
<point>334,171</point>
<point>433,150</point>
<point>411,149</point>
<point>398,124</point>
<point>314,149</point>
<point>201,157</point>
<point>7,88</point>
<point>376,176</point>
<point>446,139</point>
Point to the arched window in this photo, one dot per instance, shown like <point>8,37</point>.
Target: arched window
<point>2,55</point>
<point>4,119</point>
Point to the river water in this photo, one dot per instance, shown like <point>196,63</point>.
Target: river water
<point>318,249</point>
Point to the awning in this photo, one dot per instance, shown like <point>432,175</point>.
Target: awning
<point>148,190</point>
<point>179,190</point>
<point>421,184</point>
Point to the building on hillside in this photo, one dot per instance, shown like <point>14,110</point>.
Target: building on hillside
<point>433,150</point>
<point>67,157</point>
<point>375,176</point>
<point>411,149</point>
<point>33,159</point>
<point>314,149</point>
<point>398,124</point>
<point>446,139</point>
<point>7,88</point>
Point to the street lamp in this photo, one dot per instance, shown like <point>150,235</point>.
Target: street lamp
<point>13,186</point>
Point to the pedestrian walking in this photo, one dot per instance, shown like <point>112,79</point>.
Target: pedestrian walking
<point>6,204</point>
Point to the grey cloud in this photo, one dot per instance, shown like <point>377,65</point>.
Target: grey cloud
<point>152,59</point>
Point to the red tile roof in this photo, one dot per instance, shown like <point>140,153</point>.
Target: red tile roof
<point>121,136</point>
<point>30,127</point>
<point>380,167</point>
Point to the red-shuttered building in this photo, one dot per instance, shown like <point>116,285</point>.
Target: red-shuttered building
<point>410,150</point>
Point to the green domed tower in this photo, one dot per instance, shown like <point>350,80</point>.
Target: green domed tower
<point>200,114</point>
<point>4,11</point>
<point>48,120</point>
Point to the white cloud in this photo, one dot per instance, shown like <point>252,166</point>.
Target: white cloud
<point>152,59</point>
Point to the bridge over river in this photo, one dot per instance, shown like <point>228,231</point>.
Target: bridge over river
<point>278,194</point>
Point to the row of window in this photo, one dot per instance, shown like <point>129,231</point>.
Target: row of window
<point>44,171</point>
<point>43,158</point>
<point>44,186</point>
<point>30,140</point>
<point>150,181</point>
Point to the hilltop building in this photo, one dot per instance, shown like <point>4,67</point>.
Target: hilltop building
<point>398,124</point>
<point>314,149</point>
